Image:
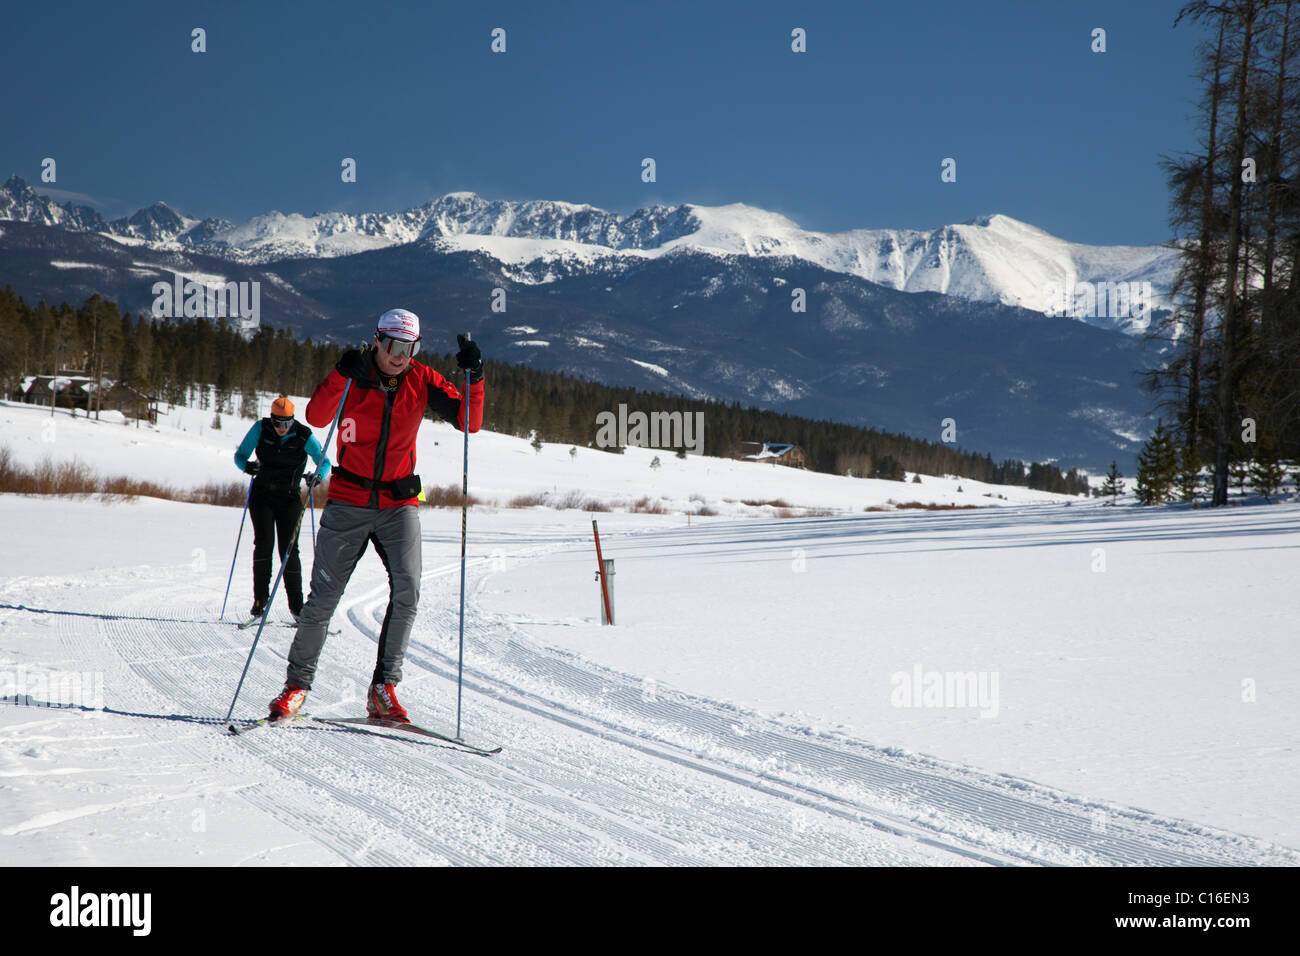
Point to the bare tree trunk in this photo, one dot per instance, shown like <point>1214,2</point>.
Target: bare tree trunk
<point>1275,172</point>
<point>1271,333</point>
<point>1205,263</point>
<point>1231,306</point>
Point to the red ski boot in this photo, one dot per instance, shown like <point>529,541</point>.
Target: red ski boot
<point>382,702</point>
<point>289,701</point>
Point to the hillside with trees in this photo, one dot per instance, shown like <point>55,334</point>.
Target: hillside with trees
<point>175,360</point>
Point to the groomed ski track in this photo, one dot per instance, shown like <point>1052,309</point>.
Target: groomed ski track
<point>595,769</point>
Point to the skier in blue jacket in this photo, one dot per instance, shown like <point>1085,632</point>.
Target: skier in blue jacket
<point>281,446</point>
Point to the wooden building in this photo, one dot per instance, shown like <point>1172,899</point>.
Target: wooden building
<point>73,390</point>
<point>775,453</point>
<point>132,403</point>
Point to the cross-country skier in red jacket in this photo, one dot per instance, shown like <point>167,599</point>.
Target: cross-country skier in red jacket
<point>373,495</point>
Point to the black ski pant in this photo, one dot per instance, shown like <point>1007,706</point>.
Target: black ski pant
<point>274,517</point>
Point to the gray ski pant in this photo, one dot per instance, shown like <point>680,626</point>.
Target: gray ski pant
<point>345,530</point>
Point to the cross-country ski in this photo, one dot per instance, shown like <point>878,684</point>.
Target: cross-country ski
<point>268,721</point>
<point>253,622</point>
<point>380,723</point>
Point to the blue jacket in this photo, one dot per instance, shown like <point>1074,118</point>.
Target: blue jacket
<point>254,435</point>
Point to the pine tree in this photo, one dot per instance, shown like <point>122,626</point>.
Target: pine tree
<point>1189,473</point>
<point>1239,469</point>
<point>889,469</point>
<point>1157,468</point>
<point>1113,486</point>
<point>1267,473</point>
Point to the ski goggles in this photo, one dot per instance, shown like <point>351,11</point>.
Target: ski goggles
<point>279,422</point>
<point>397,348</point>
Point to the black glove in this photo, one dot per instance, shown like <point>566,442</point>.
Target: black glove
<point>470,358</point>
<point>354,364</point>
<point>313,480</point>
<point>253,467</point>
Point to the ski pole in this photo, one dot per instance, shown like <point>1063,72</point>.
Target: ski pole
<point>280,573</point>
<point>239,537</point>
<point>464,519</point>
<point>311,506</point>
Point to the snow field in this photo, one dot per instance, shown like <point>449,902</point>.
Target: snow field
<point>773,692</point>
<point>739,712</point>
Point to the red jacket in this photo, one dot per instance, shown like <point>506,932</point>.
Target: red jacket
<point>376,433</point>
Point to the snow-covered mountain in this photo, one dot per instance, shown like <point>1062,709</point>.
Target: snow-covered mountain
<point>20,203</point>
<point>902,329</point>
<point>991,259</point>
<point>693,322</point>
<point>158,224</point>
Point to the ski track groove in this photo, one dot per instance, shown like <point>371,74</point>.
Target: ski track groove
<point>777,846</point>
<point>311,765</point>
<point>949,795</point>
<point>772,787</point>
<point>165,672</point>
<point>1051,821</point>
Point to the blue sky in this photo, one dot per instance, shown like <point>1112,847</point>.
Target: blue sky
<point>850,134</point>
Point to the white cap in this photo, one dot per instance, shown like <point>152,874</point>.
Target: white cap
<point>400,324</point>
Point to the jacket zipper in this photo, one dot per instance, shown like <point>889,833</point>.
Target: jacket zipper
<point>381,449</point>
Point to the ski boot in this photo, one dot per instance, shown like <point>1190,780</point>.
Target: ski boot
<point>289,702</point>
<point>382,702</point>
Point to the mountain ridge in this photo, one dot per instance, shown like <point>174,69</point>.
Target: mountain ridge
<point>991,258</point>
